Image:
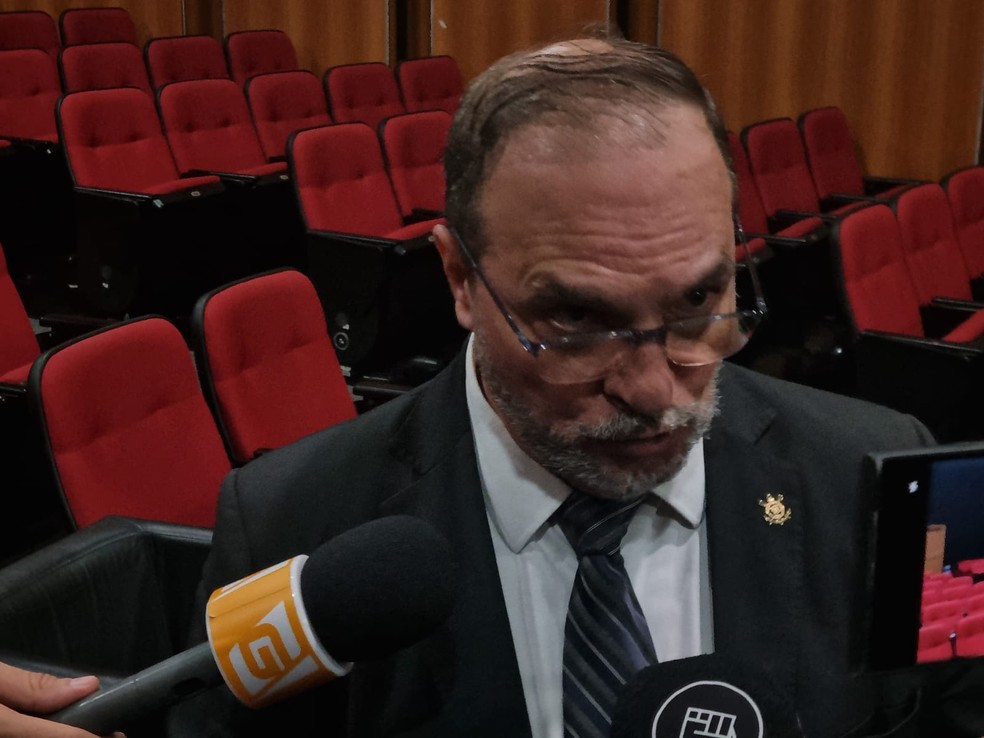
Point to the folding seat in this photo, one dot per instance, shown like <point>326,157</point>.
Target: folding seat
<point>362,93</point>
<point>413,144</point>
<point>18,345</point>
<point>209,129</point>
<point>97,26</point>
<point>29,90</point>
<point>29,29</point>
<point>145,235</point>
<point>779,167</point>
<point>380,281</point>
<point>897,365</point>
<point>833,159</point>
<point>970,636</point>
<point>932,252</point>
<point>965,192</point>
<point>975,603</point>
<point>284,102</point>
<point>430,83</point>
<point>126,426</point>
<point>181,58</point>
<point>267,364</point>
<point>935,643</point>
<point>103,66</point>
<point>960,589</point>
<point>947,610</point>
<point>249,53</point>
<point>971,567</point>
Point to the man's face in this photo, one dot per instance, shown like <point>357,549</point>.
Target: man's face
<point>587,230</point>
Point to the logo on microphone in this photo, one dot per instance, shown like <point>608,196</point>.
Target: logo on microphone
<point>708,709</point>
<point>261,640</point>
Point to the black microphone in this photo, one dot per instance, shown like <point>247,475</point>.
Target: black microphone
<point>710,696</point>
<point>364,594</point>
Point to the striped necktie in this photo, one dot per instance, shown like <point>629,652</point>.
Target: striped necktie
<point>606,638</point>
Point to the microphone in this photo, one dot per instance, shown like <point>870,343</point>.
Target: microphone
<point>710,696</point>
<point>362,595</point>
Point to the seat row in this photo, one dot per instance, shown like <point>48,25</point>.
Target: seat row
<point>942,641</point>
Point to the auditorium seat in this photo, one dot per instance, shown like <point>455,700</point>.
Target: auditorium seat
<point>102,66</point>
<point>362,93</point>
<point>126,426</point>
<point>779,167</point>
<point>975,603</point>
<point>29,29</point>
<point>284,102</point>
<point>143,230</point>
<point>833,159</point>
<point>249,53</point>
<point>267,364</point>
<point>970,636</point>
<point>380,281</point>
<point>935,644</point>
<point>947,610</point>
<point>430,83</point>
<point>893,354</point>
<point>181,58</point>
<point>18,344</point>
<point>29,90</point>
<point>413,144</point>
<point>96,26</point>
<point>965,193</point>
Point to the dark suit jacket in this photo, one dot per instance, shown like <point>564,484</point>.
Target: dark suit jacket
<point>784,596</point>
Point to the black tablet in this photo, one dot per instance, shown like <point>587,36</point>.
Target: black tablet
<point>925,576</point>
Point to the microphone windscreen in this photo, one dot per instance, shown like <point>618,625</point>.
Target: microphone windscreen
<point>709,695</point>
<point>378,587</point>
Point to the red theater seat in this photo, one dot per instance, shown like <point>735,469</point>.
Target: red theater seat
<point>249,53</point>
<point>127,427</point>
<point>97,26</point>
<point>284,102</point>
<point>181,58</point>
<point>29,91</point>
<point>102,66</point>
<point>414,145</point>
<point>18,345</point>
<point>362,93</point>
<point>267,363</point>
<point>965,192</point>
<point>935,643</point>
<point>430,83</point>
<point>29,29</point>
<point>970,636</point>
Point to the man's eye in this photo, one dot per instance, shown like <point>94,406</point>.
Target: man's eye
<point>697,297</point>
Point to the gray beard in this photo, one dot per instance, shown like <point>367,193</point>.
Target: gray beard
<point>557,449</point>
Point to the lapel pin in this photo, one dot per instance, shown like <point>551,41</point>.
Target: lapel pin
<point>776,512</point>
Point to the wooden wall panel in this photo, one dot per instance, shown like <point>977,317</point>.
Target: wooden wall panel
<point>477,32</point>
<point>908,74</point>
<point>157,18</point>
<point>324,33</point>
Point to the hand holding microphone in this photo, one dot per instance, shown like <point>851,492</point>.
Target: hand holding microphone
<point>364,594</point>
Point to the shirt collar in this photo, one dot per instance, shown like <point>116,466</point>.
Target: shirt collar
<point>521,495</point>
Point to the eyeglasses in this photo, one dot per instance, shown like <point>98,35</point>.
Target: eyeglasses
<point>690,342</point>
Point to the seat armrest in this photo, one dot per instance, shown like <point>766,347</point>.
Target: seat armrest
<point>873,185</point>
<point>836,199</point>
<point>98,192</point>
<point>237,179</point>
<point>12,391</point>
<point>785,218</point>
<point>942,315</point>
<point>66,327</point>
<point>782,243</point>
<point>353,239</point>
<point>36,145</point>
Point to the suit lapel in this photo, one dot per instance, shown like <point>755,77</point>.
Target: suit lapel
<point>476,655</point>
<point>756,554</point>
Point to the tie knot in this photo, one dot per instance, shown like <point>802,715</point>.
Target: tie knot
<point>593,525</point>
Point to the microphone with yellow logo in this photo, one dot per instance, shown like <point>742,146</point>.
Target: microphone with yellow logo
<point>362,595</point>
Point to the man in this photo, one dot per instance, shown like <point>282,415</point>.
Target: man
<point>590,251</point>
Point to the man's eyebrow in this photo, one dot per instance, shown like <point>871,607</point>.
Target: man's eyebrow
<point>550,293</point>
<point>721,272</point>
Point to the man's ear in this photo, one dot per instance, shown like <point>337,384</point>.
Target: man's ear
<point>457,274</point>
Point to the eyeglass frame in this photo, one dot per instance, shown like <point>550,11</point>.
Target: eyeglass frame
<point>634,336</point>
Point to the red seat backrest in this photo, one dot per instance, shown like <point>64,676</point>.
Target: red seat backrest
<point>751,212</point>
<point>970,636</point>
<point>284,102</point>
<point>102,66</point>
<point>341,180</point>
<point>930,244</point>
<point>113,140</point>
<point>29,29</point>
<point>413,145</point>
<point>127,427</point>
<point>249,53</point>
<point>268,363</point>
<point>965,192</point>
<point>877,283</point>
<point>779,168</point>
<point>18,345</point>
<point>934,643</point>
<point>180,58</point>
<point>430,83</point>
<point>364,93</point>
<point>208,126</point>
<point>97,26</point>
<point>830,152</point>
<point>29,91</point>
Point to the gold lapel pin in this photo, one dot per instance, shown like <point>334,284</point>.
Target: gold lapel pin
<point>776,512</point>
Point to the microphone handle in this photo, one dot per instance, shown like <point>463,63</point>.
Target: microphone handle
<point>161,685</point>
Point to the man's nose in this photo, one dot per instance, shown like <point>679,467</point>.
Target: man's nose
<point>644,379</point>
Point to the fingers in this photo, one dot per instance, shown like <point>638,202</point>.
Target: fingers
<point>15,725</point>
<point>32,691</point>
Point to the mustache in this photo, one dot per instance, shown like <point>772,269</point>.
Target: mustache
<point>628,425</point>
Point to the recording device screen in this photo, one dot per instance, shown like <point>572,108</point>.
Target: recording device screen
<point>926,576</point>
